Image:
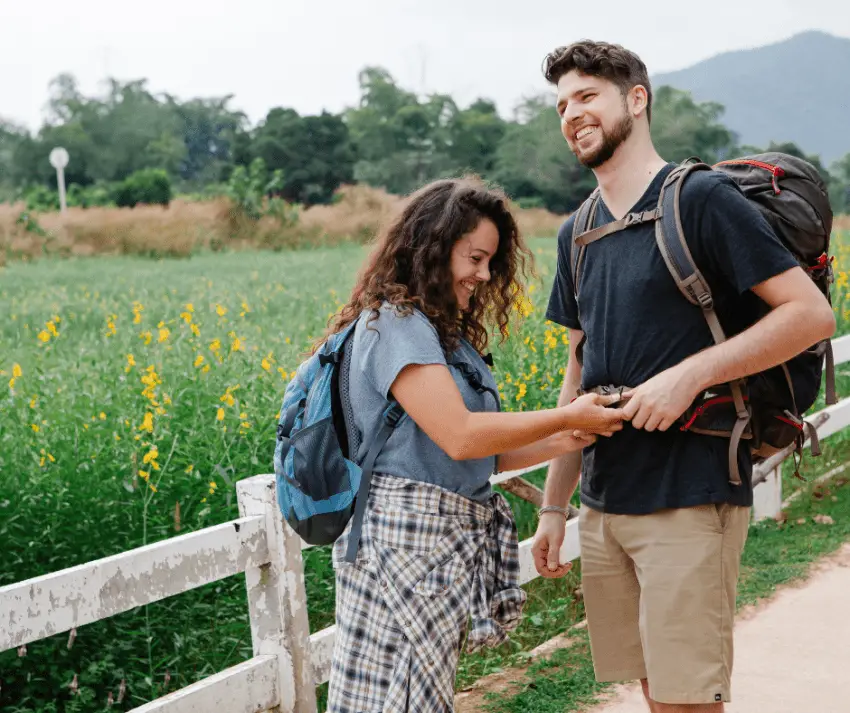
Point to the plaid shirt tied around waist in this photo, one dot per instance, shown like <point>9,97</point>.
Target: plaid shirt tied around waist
<point>429,562</point>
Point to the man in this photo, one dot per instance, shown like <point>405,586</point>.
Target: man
<point>661,527</point>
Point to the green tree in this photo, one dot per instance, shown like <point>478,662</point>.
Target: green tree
<point>314,154</point>
<point>11,136</point>
<point>682,128</point>
<point>401,141</point>
<point>533,160</point>
<point>474,136</point>
<point>840,186</point>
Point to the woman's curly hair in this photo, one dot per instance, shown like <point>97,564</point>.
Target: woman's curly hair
<point>409,265</point>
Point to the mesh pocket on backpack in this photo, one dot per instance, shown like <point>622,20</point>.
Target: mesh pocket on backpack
<point>319,469</point>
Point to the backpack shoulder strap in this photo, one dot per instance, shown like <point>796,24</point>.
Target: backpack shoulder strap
<point>670,237</point>
<point>585,216</point>
<point>671,240</point>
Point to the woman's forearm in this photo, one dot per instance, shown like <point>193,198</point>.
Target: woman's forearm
<point>486,434</point>
<point>537,453</point>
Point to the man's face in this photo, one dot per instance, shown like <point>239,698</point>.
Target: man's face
<point>594,117</point>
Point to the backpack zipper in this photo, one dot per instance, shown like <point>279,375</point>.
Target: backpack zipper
<point>700,410</point>
<point>775,171</point>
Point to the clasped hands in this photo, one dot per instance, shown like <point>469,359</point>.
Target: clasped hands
<point>655,405</point>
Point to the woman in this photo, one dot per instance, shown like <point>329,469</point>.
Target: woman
<point>438,545</point>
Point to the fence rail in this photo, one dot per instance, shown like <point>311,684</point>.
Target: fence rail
<point>288,661</point>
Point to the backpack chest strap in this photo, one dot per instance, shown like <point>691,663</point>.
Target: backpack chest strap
<point>626,221</point>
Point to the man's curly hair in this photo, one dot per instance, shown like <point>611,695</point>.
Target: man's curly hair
<point>600,59</point>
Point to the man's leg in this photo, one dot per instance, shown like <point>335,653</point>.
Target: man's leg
<point>611,600</point>
<point>686,562</point>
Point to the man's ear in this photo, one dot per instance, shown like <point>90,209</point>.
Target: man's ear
<point>638,100</point>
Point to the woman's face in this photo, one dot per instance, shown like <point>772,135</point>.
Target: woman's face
<point>470,262</point>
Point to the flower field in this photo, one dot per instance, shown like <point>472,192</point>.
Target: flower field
<point>134,394</point>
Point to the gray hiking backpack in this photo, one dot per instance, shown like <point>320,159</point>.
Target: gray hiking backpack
<point>765,409</point>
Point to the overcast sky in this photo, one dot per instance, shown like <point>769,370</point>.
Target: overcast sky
<point>306,54</point>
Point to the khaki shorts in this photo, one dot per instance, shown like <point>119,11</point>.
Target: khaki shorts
<point>660,593</point>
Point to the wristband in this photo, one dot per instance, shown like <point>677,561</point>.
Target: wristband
<point>554,508</point>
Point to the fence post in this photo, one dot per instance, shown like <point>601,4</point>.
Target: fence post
<point>767,496</point>
<point>277,599</point>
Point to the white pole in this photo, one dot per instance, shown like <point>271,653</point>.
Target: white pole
<point>60,179</point>
<point>59,159</point>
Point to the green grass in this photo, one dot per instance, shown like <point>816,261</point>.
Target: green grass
<point>86,430</point>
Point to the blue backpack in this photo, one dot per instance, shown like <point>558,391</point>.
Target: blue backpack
<point>319,487</point>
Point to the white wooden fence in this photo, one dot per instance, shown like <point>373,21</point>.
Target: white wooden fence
<point>289,661</point>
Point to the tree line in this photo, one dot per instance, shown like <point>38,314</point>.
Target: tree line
<point>393,138</point>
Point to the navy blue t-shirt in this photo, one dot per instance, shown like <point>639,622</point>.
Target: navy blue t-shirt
<point>637,324</point>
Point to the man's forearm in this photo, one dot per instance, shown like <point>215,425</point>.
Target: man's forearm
<point>563,475</point>
<point>783,333</point>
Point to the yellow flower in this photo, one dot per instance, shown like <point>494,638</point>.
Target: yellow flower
<point>237,346</point>
<point>220,310</point>
<point>33,401</point>
<point>52,329</point>
<point>44,336</point>
<point>215,345</point>
<point>523,389</point>
<point>219,415</point>
<point>147,423</point>
<point>266,365</point>
<point>102,416</point>
<point>213,485</point>
<point>842,279</point>
<point>35,427</point>
<point>199,360</point>
<point>51,458</point>
<point>187,317</point>
<point>131,362</point>
<point>534,368</point>
<point>189,467</point>
<point>205,369</point>
<point>144,475</point>
<point>147,336</point>
<point>163,334</point>
<point>152,487</point>
<point>150,455</point>
<point>195,329</point>
<point>190,308</point>
<point>17,372</point>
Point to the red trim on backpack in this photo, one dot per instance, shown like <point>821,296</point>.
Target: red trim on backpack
<point>701,409</point>
<point>775,170</point>
<point>798,426</point>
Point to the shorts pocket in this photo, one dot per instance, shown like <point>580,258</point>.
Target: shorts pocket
<point>719,516</point>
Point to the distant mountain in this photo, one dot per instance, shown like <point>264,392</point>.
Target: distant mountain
<point>795,90</point>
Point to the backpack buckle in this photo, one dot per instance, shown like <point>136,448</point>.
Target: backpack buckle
<point>392,414</point>
<point>706,301</point>
<point>332,358</point>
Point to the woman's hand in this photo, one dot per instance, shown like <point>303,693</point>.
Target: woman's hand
<point>576,440</point>
<point>593,413</point>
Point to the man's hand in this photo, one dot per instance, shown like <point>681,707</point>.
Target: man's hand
<point>546,546</point>
<point>658,402</point>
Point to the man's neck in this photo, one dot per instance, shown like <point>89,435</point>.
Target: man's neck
<point>624,178</point>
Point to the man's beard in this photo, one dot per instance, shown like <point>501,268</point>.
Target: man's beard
<point>610,143</point>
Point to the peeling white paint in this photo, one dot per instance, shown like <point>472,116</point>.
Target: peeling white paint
<point>277,598</point>
<point>40,607</point>
<point>248,687</point>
